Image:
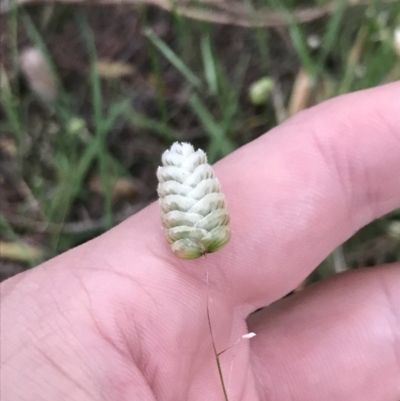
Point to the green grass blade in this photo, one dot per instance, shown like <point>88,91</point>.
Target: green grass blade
<point>140,120</point>
<point>209,63</point>
<point>220,144</point>
<point>173,58</point>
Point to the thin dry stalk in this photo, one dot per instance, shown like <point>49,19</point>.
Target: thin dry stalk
<point>220,12</point>
<point>301,92</point>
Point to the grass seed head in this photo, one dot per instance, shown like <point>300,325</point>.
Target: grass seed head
<point>193,209</point>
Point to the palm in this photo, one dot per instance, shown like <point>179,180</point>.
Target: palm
<point>175,358</point>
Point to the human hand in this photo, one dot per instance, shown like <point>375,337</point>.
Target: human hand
<point>122,318</point>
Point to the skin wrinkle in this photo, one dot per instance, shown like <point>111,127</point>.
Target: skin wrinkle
<point>382,124</point>
<point>396,317</point>
<point>136,356</point>
<point>108,337</point>
<point>363,173</point>
<point>131,387</point>
<point>193,370</point>
<point>346,117</point>
<point>250,391</point>
<point>130,357</point>
<point>228,349</point>
<point>372,200</point>
<point>334,285</point>
<point>88,370</point>
<point>64,373</point>
<point>387,127</point>
<point>350,173</point>
<point>395,133</point>
<point>220,285</point>
<point>16,315</point>
<point>72,333</point>
<point>260,374</point>
<point>102,333</point>
<point>292,394</point>
<point>20,350</point>
<point>249,373</point>
<point>90,310</point>
<point>144,363</point>
<point>142,359</point>
<point>332,156</point>
<point>153,376</point>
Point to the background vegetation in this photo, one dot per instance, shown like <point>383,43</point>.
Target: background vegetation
<point>92,94</point>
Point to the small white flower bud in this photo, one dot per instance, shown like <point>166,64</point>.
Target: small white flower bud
<point>260,90</point>
<point>193,212</point>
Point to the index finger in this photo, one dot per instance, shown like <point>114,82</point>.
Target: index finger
<point>293,195</point>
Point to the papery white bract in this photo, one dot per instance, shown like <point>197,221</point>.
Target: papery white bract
<point>193,211</point>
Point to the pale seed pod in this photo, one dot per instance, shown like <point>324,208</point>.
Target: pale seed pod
<point>193,211</point>
<point>38,73</point>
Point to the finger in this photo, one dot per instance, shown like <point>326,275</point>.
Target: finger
<point>336,340</point>
<point>304,188</point>
<point>293,195</point>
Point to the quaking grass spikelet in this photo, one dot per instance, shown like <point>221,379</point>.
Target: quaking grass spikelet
<point>193,210</point>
